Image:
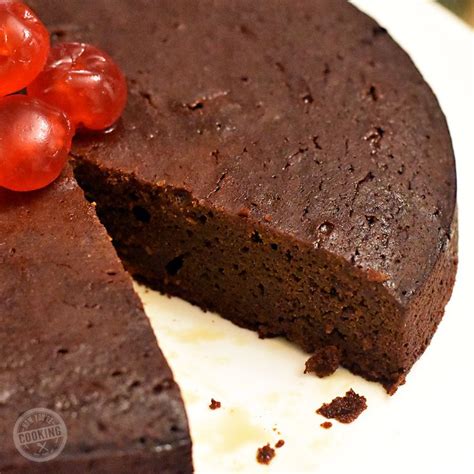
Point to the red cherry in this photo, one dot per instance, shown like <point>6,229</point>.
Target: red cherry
<point>24,46</point>
<point>35,140</point>
<point>85,82</point>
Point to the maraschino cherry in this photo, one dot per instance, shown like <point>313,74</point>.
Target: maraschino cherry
<point>35,140</point>
<point>24,46</point>
<point>85,82</point>
<point>80,86</point>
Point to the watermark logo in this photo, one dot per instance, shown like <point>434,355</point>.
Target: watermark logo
<point>40,435</point>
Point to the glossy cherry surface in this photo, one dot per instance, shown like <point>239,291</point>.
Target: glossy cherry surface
<point>35,140</point>
<point>24,46</point>
<point>85,82</point>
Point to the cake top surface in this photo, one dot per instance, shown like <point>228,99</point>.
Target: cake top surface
<point>64,293</point>
<point>305,112</point>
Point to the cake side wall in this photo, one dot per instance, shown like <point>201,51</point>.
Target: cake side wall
<point>427,307</point>
<point>248,273</point>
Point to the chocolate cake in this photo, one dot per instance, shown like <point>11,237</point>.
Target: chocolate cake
<point>282,163</point>
<point>74,338</point>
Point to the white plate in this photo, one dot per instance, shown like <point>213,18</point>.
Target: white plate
<point>427,425</point>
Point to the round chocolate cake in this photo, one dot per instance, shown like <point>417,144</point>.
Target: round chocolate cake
<point>282,163</point>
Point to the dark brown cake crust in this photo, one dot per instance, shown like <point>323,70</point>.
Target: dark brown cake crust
<point>74,338</point>
<point>280,162</point>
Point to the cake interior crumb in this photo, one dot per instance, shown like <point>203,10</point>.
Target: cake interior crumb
<point>214,405</point>
<point>344,409</point>
<point>324,362</point>
<point>265,454</point>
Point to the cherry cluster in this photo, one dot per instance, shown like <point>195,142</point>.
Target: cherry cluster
<point>69,86</point>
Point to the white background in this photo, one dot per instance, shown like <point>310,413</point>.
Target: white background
<point>428,425</point>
